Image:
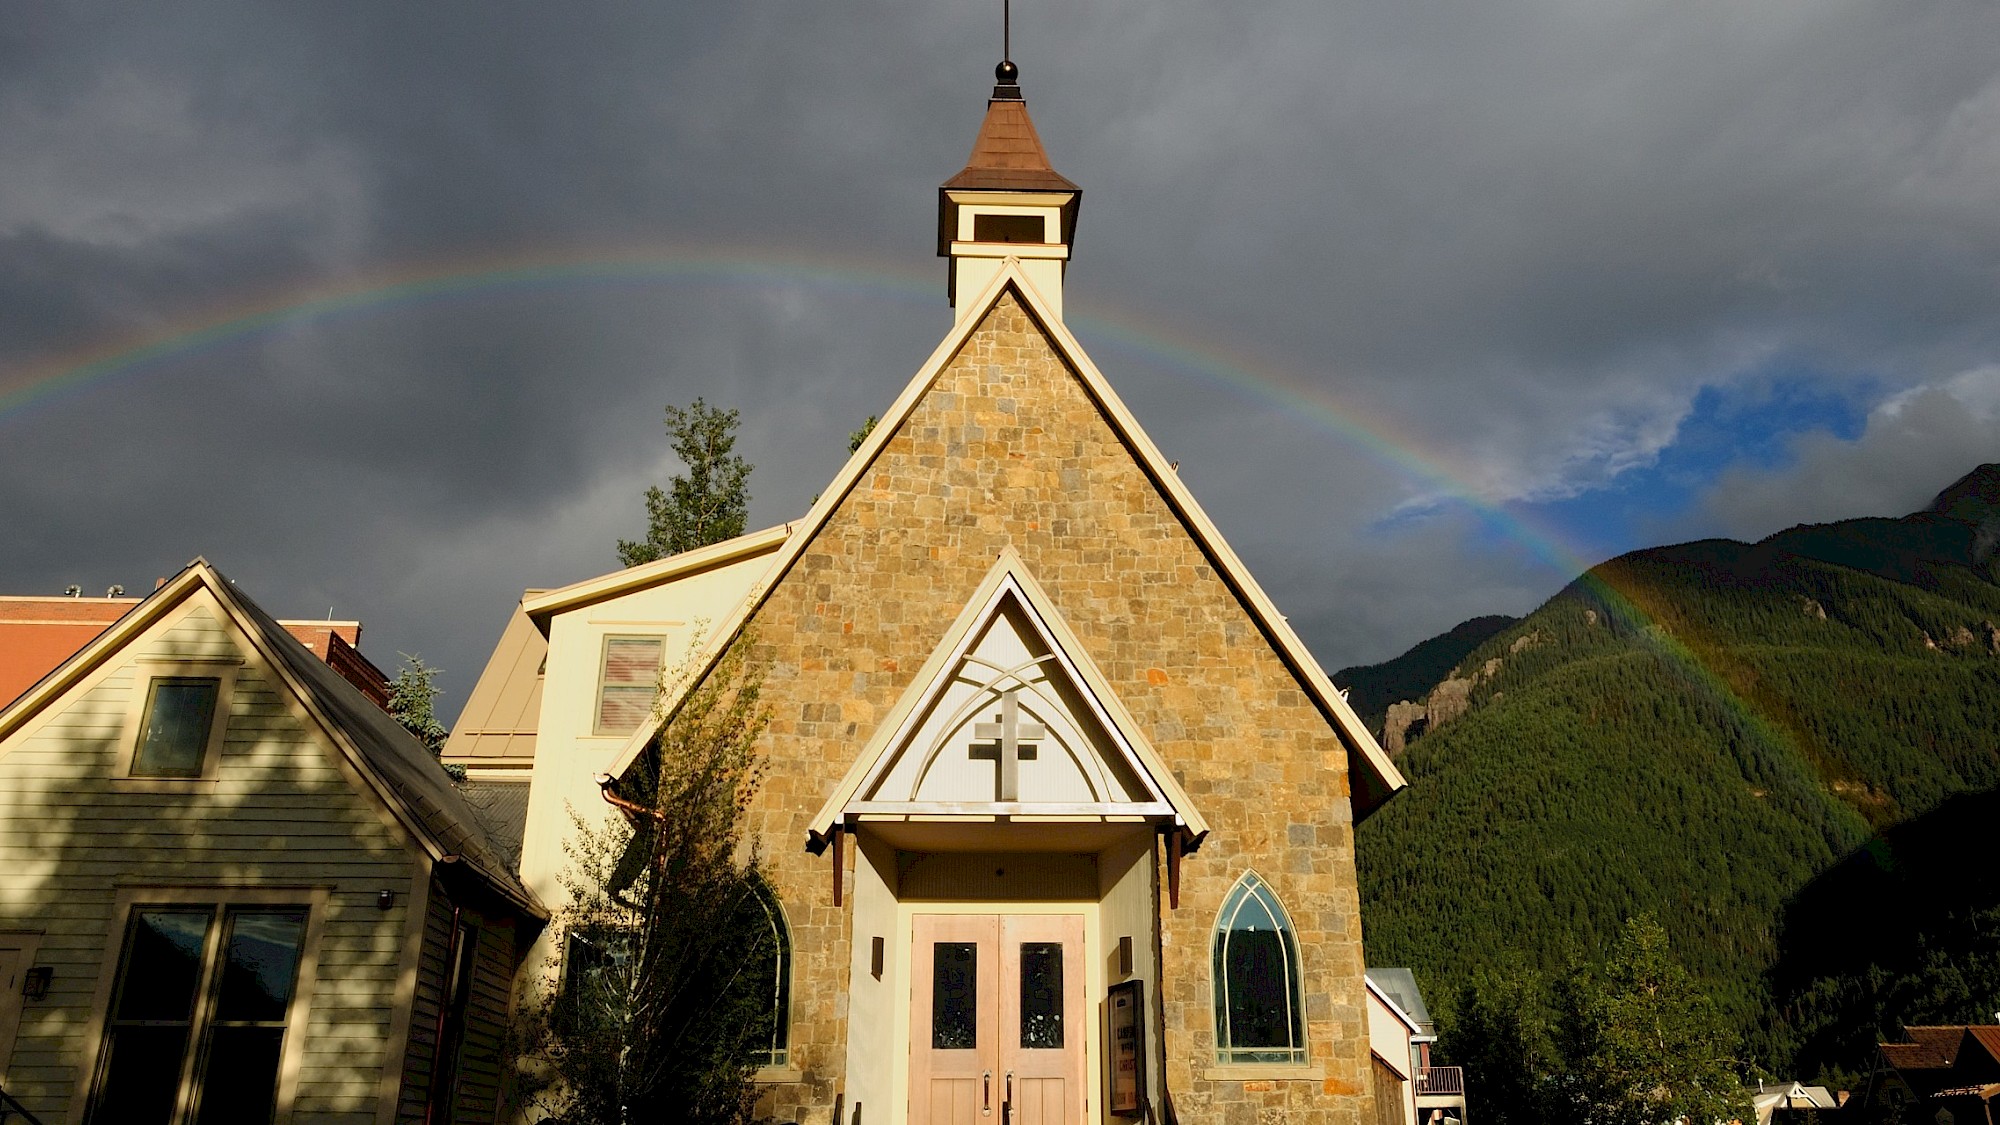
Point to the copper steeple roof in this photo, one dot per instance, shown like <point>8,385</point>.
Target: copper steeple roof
<point>1007,155</point>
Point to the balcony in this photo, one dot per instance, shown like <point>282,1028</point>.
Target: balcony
<point>1441,1082</point>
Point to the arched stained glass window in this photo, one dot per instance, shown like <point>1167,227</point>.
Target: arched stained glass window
<point>776,973</point>
<point>1258,1015</point>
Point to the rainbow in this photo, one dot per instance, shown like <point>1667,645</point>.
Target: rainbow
<point>50,380</point>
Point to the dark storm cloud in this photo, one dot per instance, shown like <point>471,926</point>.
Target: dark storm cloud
<point>1525,234</point>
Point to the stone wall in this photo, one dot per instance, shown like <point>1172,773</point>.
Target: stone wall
<point>1007,448</point>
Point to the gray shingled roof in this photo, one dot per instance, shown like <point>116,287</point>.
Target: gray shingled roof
<point>1400,985</point>
<point>394,756</point>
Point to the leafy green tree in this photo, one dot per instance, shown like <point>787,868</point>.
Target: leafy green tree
<point>1644,1045</point>
<point>705,504</point>
<point>664,1006</point>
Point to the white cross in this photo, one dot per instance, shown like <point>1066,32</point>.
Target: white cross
<point>1005,744</point>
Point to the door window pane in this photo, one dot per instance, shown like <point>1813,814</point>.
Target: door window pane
<point>955,996</point>
<point>1041,994</point>
<point>179,712</point>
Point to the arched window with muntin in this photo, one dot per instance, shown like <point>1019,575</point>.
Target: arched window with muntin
<point>1258,1014</point>
<point>774,971</point>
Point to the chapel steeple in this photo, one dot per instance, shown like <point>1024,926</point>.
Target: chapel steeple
<point>1006,203</point>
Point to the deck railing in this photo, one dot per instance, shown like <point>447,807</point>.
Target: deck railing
<point>1441,1081</point>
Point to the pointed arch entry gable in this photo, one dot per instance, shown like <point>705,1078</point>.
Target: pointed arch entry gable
<point>1009,684</point>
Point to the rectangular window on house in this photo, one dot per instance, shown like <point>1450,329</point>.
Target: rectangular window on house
<point>176,726</point>
<point>626,687</point>
<point>199,1014</point>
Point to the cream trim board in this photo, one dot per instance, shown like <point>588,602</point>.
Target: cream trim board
<point>1093,986</point>
<point>314,899</point>
<point>541,605</point>
<point>1009,576</point>
<point>1263,611</point>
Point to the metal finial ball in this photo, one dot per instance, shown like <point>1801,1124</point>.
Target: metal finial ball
<point>1007,73</point>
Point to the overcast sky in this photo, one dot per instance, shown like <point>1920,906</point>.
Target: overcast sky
<point>376,305</point>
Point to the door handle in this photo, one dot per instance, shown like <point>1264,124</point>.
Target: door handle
<point>1007,1100</point>
<point>986,1094</point>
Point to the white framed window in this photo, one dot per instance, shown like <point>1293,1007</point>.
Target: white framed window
<point>1259,1017</point>
<point>201,1006</point>
<point>627,681</point>
<point>176,722</point>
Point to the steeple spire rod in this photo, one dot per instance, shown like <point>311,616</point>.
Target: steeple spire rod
<point>1006,30</point>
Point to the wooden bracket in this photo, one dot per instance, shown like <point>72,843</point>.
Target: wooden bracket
<point>839,862</point>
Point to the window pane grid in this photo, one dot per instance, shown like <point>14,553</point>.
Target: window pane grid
<point>194,994</point>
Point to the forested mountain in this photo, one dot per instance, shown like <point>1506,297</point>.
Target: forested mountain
<point>1731,737</point>
<point>1372,688</point>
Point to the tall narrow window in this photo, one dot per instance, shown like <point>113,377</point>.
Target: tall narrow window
<point>196,1006</point>
<point>1258,1016</point>
<point>630,679</point>
<point>179,716</point>
<point>775,972</point>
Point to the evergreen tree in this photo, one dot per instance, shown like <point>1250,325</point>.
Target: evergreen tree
<point>664,1009</point>
<point>705,504</point>
<point>412,701</point>
<point>855,439</point>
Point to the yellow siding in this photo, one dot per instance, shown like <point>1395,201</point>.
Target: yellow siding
<point>283,813</point>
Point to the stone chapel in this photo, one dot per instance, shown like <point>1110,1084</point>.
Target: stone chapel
<point>1059,812</point>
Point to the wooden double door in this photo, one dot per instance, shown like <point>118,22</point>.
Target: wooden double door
<point>997,1020</point>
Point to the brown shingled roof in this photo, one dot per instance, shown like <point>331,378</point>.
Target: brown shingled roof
<point>1929,1048</point>
<point>1007,155</point>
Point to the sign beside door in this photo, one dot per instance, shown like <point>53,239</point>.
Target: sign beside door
<point>997,1030</point>
<point>1125,1032</point>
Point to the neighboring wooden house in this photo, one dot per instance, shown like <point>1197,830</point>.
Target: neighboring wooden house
<point>1435,1095</point>
<point>1041,750</point>
<point>1935,1076</point>
<point>1393,1054</point>
<point>235,890</point>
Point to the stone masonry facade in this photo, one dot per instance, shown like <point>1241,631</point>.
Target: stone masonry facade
<point>1008,448</point>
